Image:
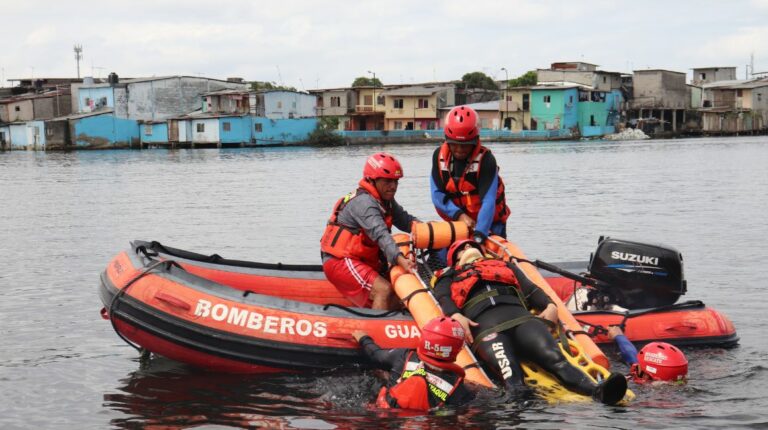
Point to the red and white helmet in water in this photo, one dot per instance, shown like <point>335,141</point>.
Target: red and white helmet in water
<point>461,125</point>
<point>382,165</point>
<point>441,339</point>
<point>660,361</point>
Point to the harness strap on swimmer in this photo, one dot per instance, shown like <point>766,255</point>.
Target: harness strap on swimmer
<point>506,325</point>
<point>494,292</point>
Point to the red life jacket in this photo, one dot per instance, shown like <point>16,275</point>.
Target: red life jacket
<point>343,241</point>
<point>464,192</point>
<point>467,277</point>
<point>419,388</point>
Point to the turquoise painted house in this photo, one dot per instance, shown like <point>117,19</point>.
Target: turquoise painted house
<point>23,135</point>
<point>598,112</point>
<point>591,112</point>
<point>104,131</point>
<point>554,107</point>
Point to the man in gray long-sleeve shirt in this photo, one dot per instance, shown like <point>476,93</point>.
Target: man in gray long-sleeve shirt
<point>359,232</point>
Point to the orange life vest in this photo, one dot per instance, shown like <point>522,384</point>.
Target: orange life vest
<point>343,241</point>
<point>467,277</point>
<point>419,388</point>
<point>463,192</point>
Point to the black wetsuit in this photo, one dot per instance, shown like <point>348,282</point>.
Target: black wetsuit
<point>528,341</point>
<point>393,360</point>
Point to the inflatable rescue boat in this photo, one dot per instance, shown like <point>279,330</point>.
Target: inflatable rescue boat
<point>248,317</point>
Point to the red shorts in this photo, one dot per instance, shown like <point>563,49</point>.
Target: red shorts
<point>352,278</point>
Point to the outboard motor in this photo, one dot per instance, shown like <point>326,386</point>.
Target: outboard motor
<point>638,275</point>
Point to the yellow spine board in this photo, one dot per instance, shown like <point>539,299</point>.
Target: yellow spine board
<point>553,391</point>
<point>508,250</point>
<point>424,307</point>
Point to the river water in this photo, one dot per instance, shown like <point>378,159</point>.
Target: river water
<point>64,215</point>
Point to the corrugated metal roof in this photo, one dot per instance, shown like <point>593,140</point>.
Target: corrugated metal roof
<point>724,84</point>
<point>485,106</point>
<point>657,70</point>
<point>559,87</point>
<point>414,91</point>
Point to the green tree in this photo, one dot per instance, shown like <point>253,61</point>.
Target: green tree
<point>266,86</point>
<point>362,81</point>
<point>325,132</point>
<point>478,80</point>
<point>525,80</point>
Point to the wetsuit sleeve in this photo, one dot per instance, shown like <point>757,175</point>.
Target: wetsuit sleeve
<point>401,218</point>
<point>487,186</point>
<point>627,349</point>
<point>535,297</point>
<point>365,212</point>
<point>386,359</point>
<point>441,201</point>
<point>443,296</point>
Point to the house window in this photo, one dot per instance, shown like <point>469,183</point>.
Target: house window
<point>759,96</point>
<point>702,76</point>
<point>738,93</point>
<point>547,99</point>
<point>87,101</point>
<point>423,103</point>
<point>48,131</point>
<point>227,126</point>
<point>509,98</point>
<point>293,105</point>
<point>380,100</point>
<point>257,127</point>
<point>335,101</point>
<point>570,100</point>
<point>279,105</point>
<point>398,125</point>
<point>432,125</point>
<point>526,101</point>
<point>200,127</point>
<point>148,130</point>
<point>368,100</point>
<point>397,104</point>
<point>17,108</point>
<point>604,81</point>
<point>592,120</point>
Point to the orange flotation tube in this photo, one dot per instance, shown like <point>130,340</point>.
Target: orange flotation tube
<point>508,251</point>
<point>423,306</point>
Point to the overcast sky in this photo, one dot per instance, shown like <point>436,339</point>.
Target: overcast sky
<point>325,44</point>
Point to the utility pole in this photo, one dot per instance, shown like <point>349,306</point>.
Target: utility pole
<point>506,87</point>
<point>373,108</point>
<point>78,57</point>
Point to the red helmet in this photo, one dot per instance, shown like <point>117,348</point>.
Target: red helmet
<point>441,339</point>
<point>382,165</point>
<point>458,245</point>
<point>461,125</point>
<point>661,361</point>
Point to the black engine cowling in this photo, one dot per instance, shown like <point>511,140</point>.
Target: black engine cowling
<point>638,275</point>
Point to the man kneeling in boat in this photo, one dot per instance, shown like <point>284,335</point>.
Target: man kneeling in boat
<point>360,231</point>
<point>656,362</point>
<point>490,298</point>
<point>426,378</point>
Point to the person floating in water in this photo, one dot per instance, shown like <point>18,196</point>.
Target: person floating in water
<point>656,361</point>
<point>424,378</point>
